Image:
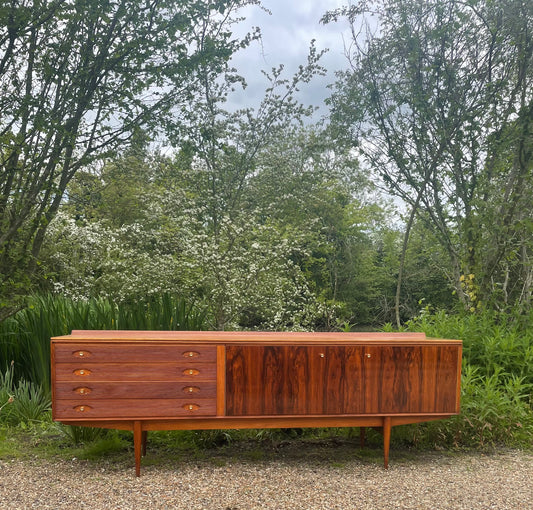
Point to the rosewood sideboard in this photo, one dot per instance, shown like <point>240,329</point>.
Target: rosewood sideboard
<point>169,380</point>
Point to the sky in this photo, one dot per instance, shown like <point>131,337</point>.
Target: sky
<point>286,36</point>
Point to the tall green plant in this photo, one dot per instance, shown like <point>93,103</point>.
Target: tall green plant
<point>25,337</point>
<point>494,342</point>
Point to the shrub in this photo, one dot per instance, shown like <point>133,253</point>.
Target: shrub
<point>27,400</point>
<point>497,379</point>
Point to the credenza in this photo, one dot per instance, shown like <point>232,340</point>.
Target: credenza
<point>197,380</point>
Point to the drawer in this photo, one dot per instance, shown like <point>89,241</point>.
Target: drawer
<point>140,372</point>
<point>134,390</point>
<point>96,352</point>
<point>132,408</point>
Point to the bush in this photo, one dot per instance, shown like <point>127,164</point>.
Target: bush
<point>497,379</point>
<point>25,402</point>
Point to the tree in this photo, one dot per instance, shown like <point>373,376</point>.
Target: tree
<point>77,78</point>
<point>432,89</point>
<point>231,248</point>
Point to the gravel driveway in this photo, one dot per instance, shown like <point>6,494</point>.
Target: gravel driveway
<point>291,480</point>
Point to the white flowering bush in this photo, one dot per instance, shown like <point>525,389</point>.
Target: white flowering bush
<point>246,273</point>
<point>92,259</point>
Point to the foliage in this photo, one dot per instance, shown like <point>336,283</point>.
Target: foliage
<point>496,343</point>
<point>497,379</point>
<point>24,402</point>
<point>291,252</point>
<point>495,410</point>
<point>25,337</point>
<point>438,101</point>
<point>6,392</point>
<point>82,435</point>
<point>77,80</point>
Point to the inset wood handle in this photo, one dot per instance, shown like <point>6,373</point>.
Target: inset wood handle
<point>191,389</point>
<point>82,390</point>
<point>191,407</point>
<point>83,372</point>
<point>191,371</point>
<point>82,409</point>
<point>191,354</point>
<point>82,354</point>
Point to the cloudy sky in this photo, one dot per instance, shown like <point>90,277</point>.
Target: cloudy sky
<point>287,33</point>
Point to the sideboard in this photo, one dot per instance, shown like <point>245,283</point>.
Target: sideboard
<point>196,380</point>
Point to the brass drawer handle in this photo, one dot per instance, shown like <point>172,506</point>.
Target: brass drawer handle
<point>191,389</point>
<point>83,372</point>
<point>82,409</point>
<point>82,391</point>
<point>191,371</point>
<point>82,354</point>
<point>191,407</point>
<point>191,354</point>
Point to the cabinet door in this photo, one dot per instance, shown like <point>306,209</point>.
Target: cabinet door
<point>341,380</point>
<point>293,380</point>
<point>411,379</point>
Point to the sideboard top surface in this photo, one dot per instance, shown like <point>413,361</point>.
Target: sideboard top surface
<point>251,337</point>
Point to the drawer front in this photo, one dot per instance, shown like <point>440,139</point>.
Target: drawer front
<point>111,353</point>
<point>82,409</point>
<point>86,372</point>
<point>134,390</point>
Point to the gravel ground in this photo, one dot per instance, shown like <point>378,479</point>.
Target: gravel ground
<point>291,480</point>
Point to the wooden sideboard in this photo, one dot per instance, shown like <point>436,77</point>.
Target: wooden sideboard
<point>188,380</point>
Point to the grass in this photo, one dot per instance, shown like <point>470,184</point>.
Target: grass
<point>49,441</point>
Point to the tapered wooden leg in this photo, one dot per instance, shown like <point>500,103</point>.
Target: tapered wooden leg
<point>137,444</point>
<point>144,440</point>
<point>362,432</point>
<point>386,439</point>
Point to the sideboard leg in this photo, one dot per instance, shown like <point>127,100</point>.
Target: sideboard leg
<point>137,443</point>
<point>386,439</point>
<point>144,441</point>
<point>362,432</point>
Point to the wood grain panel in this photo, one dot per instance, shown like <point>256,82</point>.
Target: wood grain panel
<point>148,352</point>
<point>448,374</point>
<point>293,380</point>
<point>354,391</point>
<point>384,379</point>
<point>233,337</point>
<point>410,379</point>
<point>135,372</point>
<point>134,390</point>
